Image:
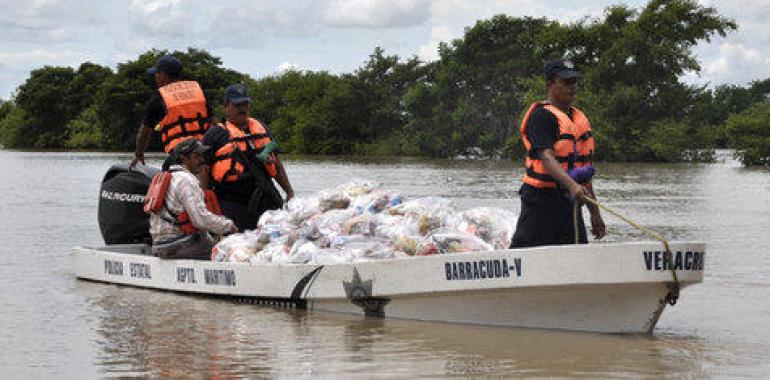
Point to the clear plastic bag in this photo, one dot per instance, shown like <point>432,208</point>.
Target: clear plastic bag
<point>302,208</point>
<point>333,200</point>
<point>331,256</point>
<point>494,226</point>
<point>375,201</point>
<point>273,217</point>
<point>427,213</point>
<point>448,240</point>
<point>364,224</point>
<point>238,247</point>
<point>362,248</point>
<point>357,187</point>
<point>330,222</point>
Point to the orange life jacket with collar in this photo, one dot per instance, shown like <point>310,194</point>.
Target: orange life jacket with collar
<point>228,165</point>
<point>186,114</point>
<point>155,202</point>
<point>574,147</point>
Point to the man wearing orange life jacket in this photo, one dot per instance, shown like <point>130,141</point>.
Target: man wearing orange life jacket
<point>245,162</point>
<point>559,165</point>
<point>179,111</point>
<point>181,224</point>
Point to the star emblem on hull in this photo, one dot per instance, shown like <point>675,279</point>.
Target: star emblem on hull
<point>360,293</point>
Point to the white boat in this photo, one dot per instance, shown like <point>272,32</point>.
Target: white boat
<point>609,288</point>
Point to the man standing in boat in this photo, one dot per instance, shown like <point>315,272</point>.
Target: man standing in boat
<point>179,111</point>
<point>559,166</point>
<point>181,226</point>
<point>245,162</point>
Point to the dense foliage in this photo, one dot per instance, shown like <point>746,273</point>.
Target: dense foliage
<point>469,102</point>
<point>749,132</point>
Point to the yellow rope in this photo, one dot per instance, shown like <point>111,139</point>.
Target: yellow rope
<point>674,288</point>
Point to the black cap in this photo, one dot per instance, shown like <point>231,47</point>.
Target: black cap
<point>190,145</point>
<point>237,94</point>
<point>167,64</point>
<point>562,68</point>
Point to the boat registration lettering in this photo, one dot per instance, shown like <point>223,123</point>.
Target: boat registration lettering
<point>114,268</point>
<point>481,269</point>
<point>659,260</point>
<point>224,277</point>
<point>139,270</point>
<point>185,275</point>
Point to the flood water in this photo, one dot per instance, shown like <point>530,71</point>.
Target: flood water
<point>52,325</point>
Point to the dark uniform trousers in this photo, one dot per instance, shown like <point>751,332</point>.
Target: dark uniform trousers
<point>546,219</point>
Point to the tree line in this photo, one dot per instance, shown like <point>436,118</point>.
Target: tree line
<point>468,102</point>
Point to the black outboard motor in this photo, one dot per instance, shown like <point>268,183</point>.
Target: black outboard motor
<point>122,219</point>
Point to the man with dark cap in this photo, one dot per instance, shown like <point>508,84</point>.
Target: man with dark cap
<point>559,166</point>
<point>179,110</point>
<point>245,162</point>
<point>182,228</point>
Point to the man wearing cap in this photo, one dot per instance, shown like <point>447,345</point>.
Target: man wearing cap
<point>179,110</point>
<point>244,163</point>
<point>181,229</point>
<point>559,166</point>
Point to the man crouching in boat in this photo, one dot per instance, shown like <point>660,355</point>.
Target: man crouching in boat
<point>181,220</point>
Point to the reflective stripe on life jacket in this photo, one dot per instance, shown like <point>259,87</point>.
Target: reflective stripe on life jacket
<point>574,147</point>
<point>186,114</point>
<point>228,165</point>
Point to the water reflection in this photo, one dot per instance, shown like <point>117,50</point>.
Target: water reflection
<point>154,334</point>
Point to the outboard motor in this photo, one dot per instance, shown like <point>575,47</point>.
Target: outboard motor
<point>122,219</point>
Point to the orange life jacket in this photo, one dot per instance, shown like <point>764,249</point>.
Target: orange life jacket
<point>155,200</point>
<point>186,115</point>
<point>228,163</point>
<point>574,147</point>
<point>156,193</point>
<point>212,204</point>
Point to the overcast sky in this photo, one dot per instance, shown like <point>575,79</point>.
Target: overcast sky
<point>263,37</point>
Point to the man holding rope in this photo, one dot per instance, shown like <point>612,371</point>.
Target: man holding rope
<point>559,166</point>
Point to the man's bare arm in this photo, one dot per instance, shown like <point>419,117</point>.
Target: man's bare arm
<point>142,141</point>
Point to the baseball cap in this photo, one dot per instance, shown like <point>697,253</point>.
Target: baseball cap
<point>237,93</point>
<point>562,68</point>
<point>167,64</point>
<point>190,145</point>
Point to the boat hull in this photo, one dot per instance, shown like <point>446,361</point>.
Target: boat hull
<point>610,288</point>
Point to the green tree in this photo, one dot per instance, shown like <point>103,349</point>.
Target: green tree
<point>378,89</point>
<point>632,64</point>
<point>85,131</point>
<point>477,81</point>
<point>749,133</point>
<point>12,122</point>
<point>43,97</point>
<point>83,87</point>
<point>305,111</point>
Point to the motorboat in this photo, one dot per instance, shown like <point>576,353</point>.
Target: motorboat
<point>608,288</point>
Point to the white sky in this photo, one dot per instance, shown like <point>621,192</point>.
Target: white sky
<point>263,37</point>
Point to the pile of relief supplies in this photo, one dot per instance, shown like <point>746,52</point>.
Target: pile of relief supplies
<point>359,222</point>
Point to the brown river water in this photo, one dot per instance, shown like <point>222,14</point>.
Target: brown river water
<point>53,325</point>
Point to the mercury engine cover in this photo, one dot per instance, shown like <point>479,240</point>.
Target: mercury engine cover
<point>122,219</point>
